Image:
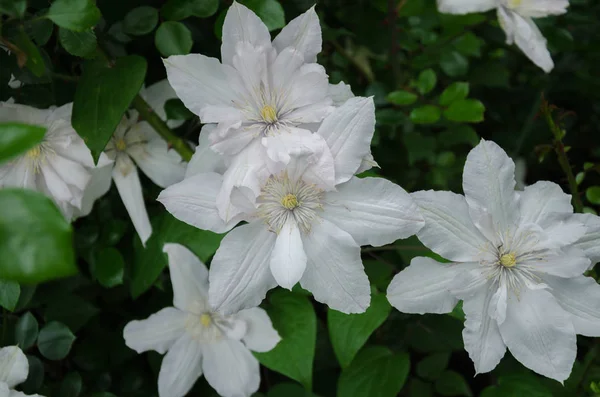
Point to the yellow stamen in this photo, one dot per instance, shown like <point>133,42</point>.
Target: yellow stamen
<point>508,260</point>
<point>269,114</point>
<point>121,145</point>
<point>205,320</point>
<point>289,201</point>
<point>34,152</point>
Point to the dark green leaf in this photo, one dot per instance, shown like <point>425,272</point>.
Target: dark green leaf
<point>14,8</point>
<point>418,388</point>
<point>452,383</point>
<point>173,38</point>
<point>176,10</point>
<point>140,21</point>
<point>454,92</point>
<point>71,385</point>
<point>176,110</point>
<point>35,377</point>
<point>40,30</point>
<point>9,294</point>
<point>427,114</point>
<point>36,236</point>
<point>454,64</point>
<point>55,341</point>
<point>288,390</point>
<point>402,97</point>
<point>15,138</point>
<point>34,62</point>
<point>593,194</point>
<point>349,332</point>
<point>269,11</point>
<point>426,81</point>
<point>458,134</point>
<point>80,44</point>
<point>107,267</point>
<point>71,310</point>
<point>469,44</point>
<point>465,111</point>
<point>75,15</point>
<point>26,331</point>
<point>97,110</point>
<point>431,367</point>
<point>294,318</point>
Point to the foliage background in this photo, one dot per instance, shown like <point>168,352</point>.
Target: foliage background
<point>405,54</point>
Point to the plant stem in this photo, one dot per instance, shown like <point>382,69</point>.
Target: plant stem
<point>563,160</point>
<point>148,114</point>
<point>391,18</point>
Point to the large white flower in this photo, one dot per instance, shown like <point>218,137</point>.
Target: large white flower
<point>199,340</point>
<point>514,266</point>
<point>14,368</point>
<point>59,166</point>
<point>297,230</point>
<point>515,17</point>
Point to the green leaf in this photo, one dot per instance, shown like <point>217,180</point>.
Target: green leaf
<point>173,38</point>
<point>55,341</point>
<point>269,11</point>
<point>71,385</point>
<point>34,62</point>
<point>452,383</point>
<point>40,30</point>
<point>349,332</point>
<point>402,97</point>
<point>593,194</point>
<point>140,21</point>
<point>454,64</point>
<point>107,267</point>
<point>176,110</point>
<point>431,367</point>
<point>26,331</point>
<point>15,138</point>
<point>468,44</point>
<point>418,388</point>
<point>454,92</point>
<point>458,134</point>
<point>375,371</point>
<point>35,236</point>
<point>427,114</point>
<point>97,110</point>
<point>288,390</point>
<point>75,15</point>
<point>80,44</point>
<point>176,10</point>
<point>70,309</point>
<point>294,318</point>
<point>465,111</point>
<point>35,377</point>
<point>9,294</point>
<point>426,81</point>
<point>14,8</point>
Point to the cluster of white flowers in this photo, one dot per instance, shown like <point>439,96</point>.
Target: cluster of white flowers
<point>14,369</point>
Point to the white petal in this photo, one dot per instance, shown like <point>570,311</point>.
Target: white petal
<point>180,368</point>
<point>288,259</point>
<point>465,6</point>
<point>158,332</point>
<point>334,272</point>
<point>205,159</point>
<point>340,93</point>
<point>23,113</point>
<point>72,173</point>
<point>541,8</point>
<point>199,81</point>
<point>561,229</point>
<point>541,199</point>
<point>157,96</point>
<point>230,368</point>
<point>481,333</point>
<point>448,229</point>
<point>590,242</point>
<point>284,67</point>
<point>525,34</point>
<point>568,262</point>
<point>18,173</point>
<point>242,25</point>
<point>229,139</point>
<point>194,201</point>
<point>580,297</point>
<point>309,86</point>
<point>239,272</point>
<point>423,287</point>
<point>348,132</point>
<point>99,184</point>
<point>14,393</point>
<point>367,163</point>
<point>489,185</point>
<point>373,210</point>
<point>4,391</point>
<point>189,277</point>
<point>14,366</point>
<point>539,333</point>
<point>303,33</point>
<point>260,334</point>
<point>128,184</point>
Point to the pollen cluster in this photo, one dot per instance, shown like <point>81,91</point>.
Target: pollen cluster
<point>205,320</point>
<point>289,201</point>
<point>508,260</point>
<point>120,144</point>
<point>268,114</point>
<point>34,152</point>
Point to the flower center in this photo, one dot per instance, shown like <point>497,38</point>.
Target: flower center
<point>268,114</point>
<point>205,320</point>
<point>120,144</point>
<point>289,201</point>
<point>34,153</point>
<point>508,260</point>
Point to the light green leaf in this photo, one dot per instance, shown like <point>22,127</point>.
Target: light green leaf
<point>269,11</point>
<point>173,38</point>
<point>55,341</point>
<point>140,21</point>
<point>593,194</point>
<point>75,15</point>
<point>80,44</point>
<point>452,383</point>
<point>426,81</point>
<point>176,10</point>
<point>402,97</point>
<point>469,44</point>
<point>15,138</point>
<point>9,294</point>
<point>294,318</point>
<point>454,92</point>
<point>465,111</point>
<point>26,331</point>
<point>107,267</point>
<point>427,114</point>
<point>454,64</point>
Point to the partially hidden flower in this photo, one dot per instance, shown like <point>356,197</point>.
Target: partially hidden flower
<point>201,341</point>
<point>518,260</point>
<point>515,17</point>
<point>298,230</point>
<point>14,369</point>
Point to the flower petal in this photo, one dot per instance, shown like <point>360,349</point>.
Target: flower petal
<point>239,274</point>
<point>242,25</point>
<point>288,260</point>
<point>541,199</point>
<point>260,334</point>
<point>373,210</point>
<point>180,368</point>
<point>14,366</point>
<point>340,93</point>
<point>465,6</point>
<point>158,332</point>
<point>334,272</point>
<point>128,184</point>
<point>189,277</point>
<point>205,159</point>
<point>568,262</point>
<point>157,96</point>
<point>230,368</point>
<point>590,242</point>
<point>348,132</point>
<point>541,8</point>
<point>99,184</point>
<point>539,334</point>
<point>303,33</point>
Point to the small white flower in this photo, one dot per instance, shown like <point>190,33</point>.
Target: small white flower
<point>515,17</point>
<point>518,260</point>
<point>297,230</point>
<point>59,166</point>
<point>199,340</point>
<point>14,368</point>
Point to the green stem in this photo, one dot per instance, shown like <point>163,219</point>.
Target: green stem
<point>148,114</point>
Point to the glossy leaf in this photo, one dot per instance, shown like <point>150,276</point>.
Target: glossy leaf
<point>269,11</point>
<point>15,138</point>
<point>427,114</point>
<point>454,92</point>
<point>55,341</point>
<point>402,97</point>
<point>140,21</point>
<point>26,331</point>
<point>80,44</point>
<point>426,81</point>
<point>9,294</point>
<point>173,38</point>
<point>176,10</point>
<point>465,111</point>
<point>75,15</point>
<point>108,267</point>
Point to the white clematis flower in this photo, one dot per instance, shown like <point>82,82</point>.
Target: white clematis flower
<point>515,17</point>
<point>514,266</point>
<point>14,369</point>
<point>298,231</point>
<point>59,166</point>
<point>199,340</point>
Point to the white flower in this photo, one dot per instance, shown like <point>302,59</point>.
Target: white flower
<point>199,340</point>
<point>59,166</point>
<point>136,144</point>
<point>515,17</point>
<point>514,266</point>
<point>14,368</point>
<point>298,231</point>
